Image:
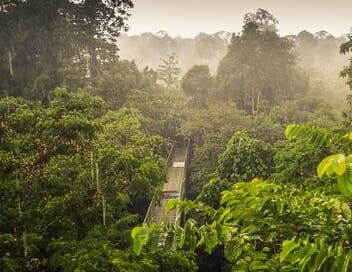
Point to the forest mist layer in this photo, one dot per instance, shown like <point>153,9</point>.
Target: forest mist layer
<point>314,50</point>
<point>317,53</point>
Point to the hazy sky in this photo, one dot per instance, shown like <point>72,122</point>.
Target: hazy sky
<point>189,17</point>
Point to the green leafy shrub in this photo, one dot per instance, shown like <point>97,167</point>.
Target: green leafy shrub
<point>245,158</point>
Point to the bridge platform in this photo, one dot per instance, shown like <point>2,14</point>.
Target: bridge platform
<point>173,188</point>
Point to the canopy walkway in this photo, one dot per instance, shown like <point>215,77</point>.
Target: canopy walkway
<point>173,188</point>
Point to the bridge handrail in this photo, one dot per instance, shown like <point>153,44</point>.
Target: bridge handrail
<point>169,155</point>
<point>152,203</point>
<point>183,184</point>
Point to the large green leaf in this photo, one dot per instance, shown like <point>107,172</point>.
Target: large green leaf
<point>287,247</point>
<point>135,231</point>
<point>346,263</point>
<point>333,164</point>
<point>316,136</point>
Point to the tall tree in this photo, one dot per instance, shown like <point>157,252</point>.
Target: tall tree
<point>101,23</point>
<point>259,65</point>
<point>263,19</point>
<point>45,41</point>
<point>168,71</point>
<point>346,48</point>
<point>197,83</point>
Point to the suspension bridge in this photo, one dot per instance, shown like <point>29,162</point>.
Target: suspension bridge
<point>173,188</point>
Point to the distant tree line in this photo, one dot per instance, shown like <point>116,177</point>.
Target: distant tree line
<point>313,50</point>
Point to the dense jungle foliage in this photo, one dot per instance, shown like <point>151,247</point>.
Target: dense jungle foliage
<point>84,137</point>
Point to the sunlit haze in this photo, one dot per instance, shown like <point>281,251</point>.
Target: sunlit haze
<point>189,17</point>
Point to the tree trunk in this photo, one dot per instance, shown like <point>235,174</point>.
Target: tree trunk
<point>100,193</point>
<point>92,164</point>
<point>253,95</point>
<point>94,62</point>
<point>20,213</point>
<point>104,209</point>
<point>258,100</point>
<point>88,72</point>
<point>10,63</point>
<point>25,245</point>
